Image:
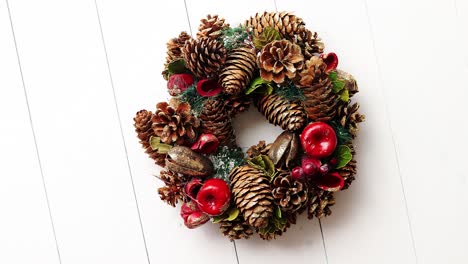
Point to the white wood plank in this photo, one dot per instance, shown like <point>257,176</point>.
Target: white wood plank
<point>78,135</point>
<point>371,214</point>
<point>136,33</point>
<point>424,83</point>
<point>25,225</point>
<point>461,9</point>
<point>303,242</point>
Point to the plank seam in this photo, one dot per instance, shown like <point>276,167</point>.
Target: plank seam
<point>44,185</point>
<point>323,241</point>
<point>121,131</point>
<point>387,112</point>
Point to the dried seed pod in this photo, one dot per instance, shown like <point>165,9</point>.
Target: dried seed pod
<point>284,150</point>
<point>186,161</point>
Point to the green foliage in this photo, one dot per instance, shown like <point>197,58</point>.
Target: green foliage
<point>229,215</point>
<point>264,163</point>
<point>277,223</point>
<point>192,97</point>
<point>234,37</point>
<point>339,86</point>
<point>290,92</point>
<point>155,144</point>
<point>225,159</point>
<point>177,66</point>
<point>259,86</point>
<point>343,156</point>
<point>341,133</point>
<point>268,35</point>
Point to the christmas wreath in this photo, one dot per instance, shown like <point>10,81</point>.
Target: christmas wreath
<point>273,61</point>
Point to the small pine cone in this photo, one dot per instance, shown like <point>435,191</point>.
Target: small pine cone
<point>348,172</point>
<point>260,149</point>
<point>175,125</point>
<point>319,203</point>
<point>204,56</point>
<point>143,128</point>
<point>309,42</point>
<point>285,23</point>
<point>321,103</point>
<point>281,112</point>
<point>211,27</point>
<point>288,193</point>
<point>252,195</point>
<point>313,73</point>
<point>237,229</point>
<point>280,59</point>
<point>349,118</point>
<point>238,70</point>
<point>174,47</point>
<point>291,219</point>
<point>215,120</point>
<point>172,193</point>
<point>236,104</point>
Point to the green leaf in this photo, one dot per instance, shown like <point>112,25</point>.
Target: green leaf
<point>343,156</point>
<point>154,142</point>
<point>259,86</point>
<point>218,218</point>
<point>164,148</point>
<point>344,95</point>
<point>268,35</point>
<point>333,76</point>
<point>177,66</point>
<point>232,214</point>
<point>278,212</point>
<point>338,85</point>
<point>264,163</point>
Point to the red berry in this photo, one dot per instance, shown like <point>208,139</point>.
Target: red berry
<point>318,140</point>
<point>324,169</point>
<point>310,166</point>
<point>297,173</point>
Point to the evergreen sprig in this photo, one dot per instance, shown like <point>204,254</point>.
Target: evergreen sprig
<point>234,37</point>
<point>225,159</point>
<point>290,92</point>
<point>192,97</point>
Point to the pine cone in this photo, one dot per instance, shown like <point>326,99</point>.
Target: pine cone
<point>280,59</point>
<point>237,229</point>
<point>281,112</point>
<point>252,195</point>
<point>309,42</point>
<point>288,193</point>
<point>313,73</point>
<point>173,191</point>
<point>285,23</point>
<point>216,121</point>
<point>349,118</point>
<point>319,203</point>
<point>260,149</point>
<point>174,47</point>
<point>321,103</point>
<point>348,172</point>
<point>143,127</point>
<point>238,70</point>
<point>175,125</point>
<point>236,104</point>
<point>204,56</point>
<point>291,219</point>
<point>211,27</point>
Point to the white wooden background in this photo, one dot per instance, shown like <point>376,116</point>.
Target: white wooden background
<point>76,187</point>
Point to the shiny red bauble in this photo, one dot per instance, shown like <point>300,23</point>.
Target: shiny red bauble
<point>318,140</point>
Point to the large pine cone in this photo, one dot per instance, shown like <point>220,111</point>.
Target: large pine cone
<point>238,70</point>
<point>204,56</point>
<point>260,149</point>
<point>237,229</point>
<point>280,59</point>
<point>175,125</point>
<point>288,193</point>
<point>236,104</point>
<point>172,193</point>
<point>143,127</point>
<point>211,27</point>
<point>281,112</point>
<point>319,203</point>
<point>321,103</point>
<point>285,23</point>
<point>174,51</point>
<point>309,42</point>
<point>215,120</point>
<point>252,195</point>
<point>313,73</point>
<point>349,118</point>
<point>348,172</point>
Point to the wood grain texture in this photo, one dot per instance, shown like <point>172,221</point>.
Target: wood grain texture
<point>77,131</point>
<point>25,226</point>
